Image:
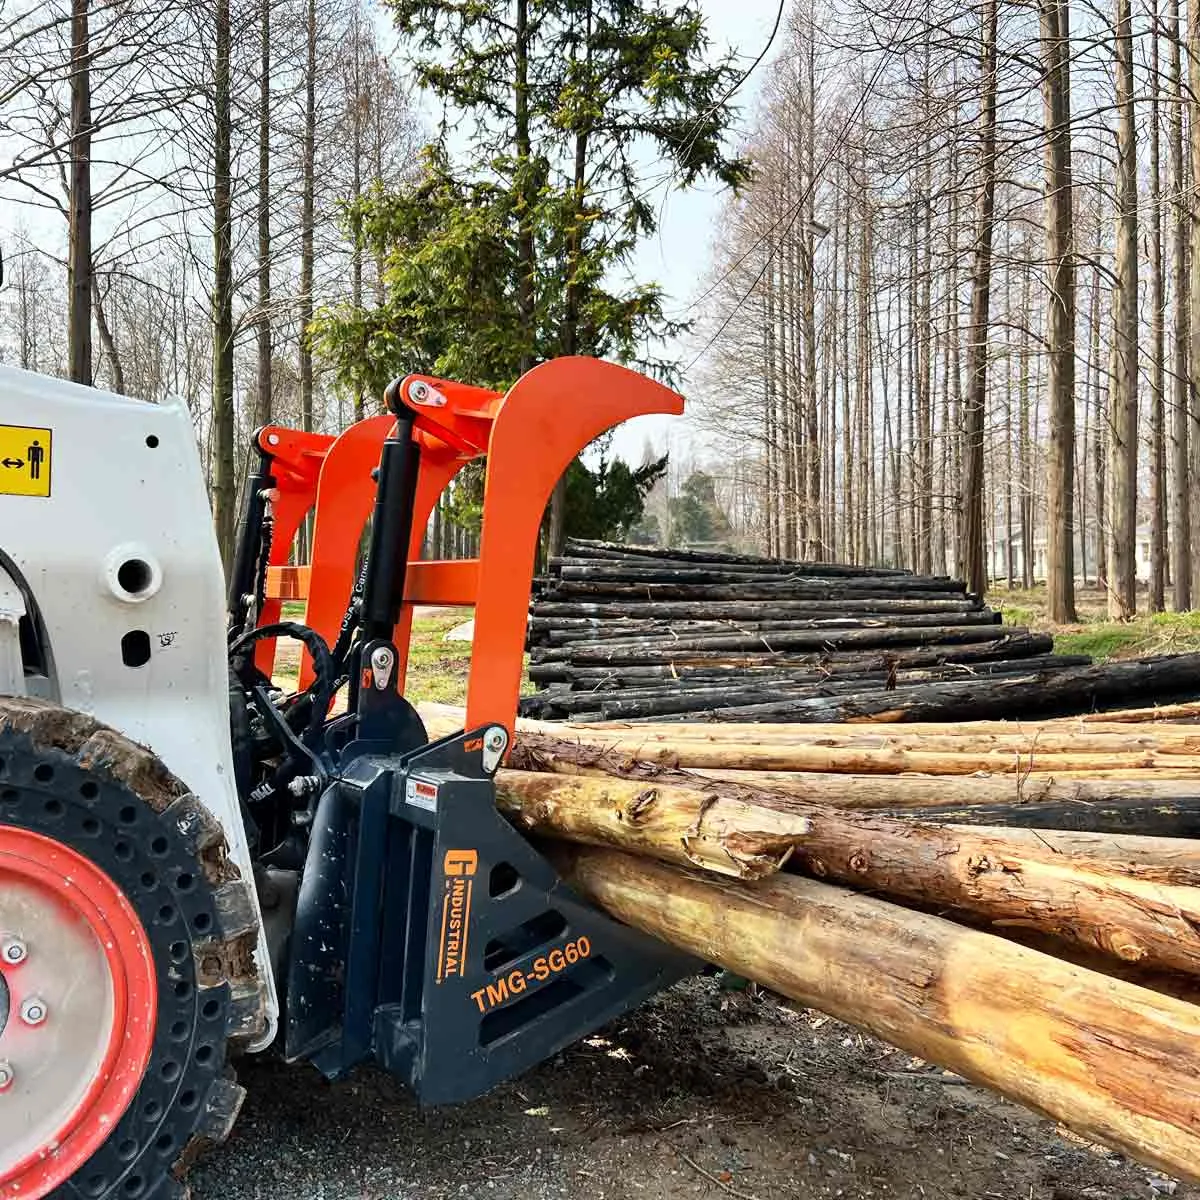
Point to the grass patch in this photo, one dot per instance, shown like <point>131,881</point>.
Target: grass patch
<point>1145,636</point>
<point>437,669</point>
<point>1015,614</point>
<point>1101,641</point>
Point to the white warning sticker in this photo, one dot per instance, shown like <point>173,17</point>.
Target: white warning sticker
<point>421,793</point>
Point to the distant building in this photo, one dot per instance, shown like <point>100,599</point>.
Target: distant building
<point>997,562</point>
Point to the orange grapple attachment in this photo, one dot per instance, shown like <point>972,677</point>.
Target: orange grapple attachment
<point>529,436</point>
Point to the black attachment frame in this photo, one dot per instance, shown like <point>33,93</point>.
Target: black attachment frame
<point>431,935</point>
<point>252,547</point>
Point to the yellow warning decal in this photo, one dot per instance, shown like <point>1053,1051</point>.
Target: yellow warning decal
<point>25,460</point>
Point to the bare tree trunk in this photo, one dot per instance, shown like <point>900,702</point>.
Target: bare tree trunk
<point>224,483</point>
<point>1193,48</point>
<point>576,230</point>
<point>841,367</point>
<point>526,253</point>
<point>107,342</point>
<point>1082,450</point>
<point>1060,459</point>
<point>262,397</point>
<point>1099,420</point>
<point>522,138</point>
<point>1009,525</point>
<point>1158,464</point>
<point>1026,445</point>
<point>895,433</point>
<point>1181,522</point>
<point>871,485</point>
<point>812,440</point>
<point>771,499</point>
<point>954,427</point>
<point>308,216</point>
<point>849,466</point>
<point>357,154</point>
<point>973,567</point>
<point>862,387</point>
<point>79,252</point>
<point>788,387</point>
<point>924,428</point>
<point>26,325</point>
<point>1122,524</point>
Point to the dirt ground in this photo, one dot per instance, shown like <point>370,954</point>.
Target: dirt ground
<point>701,1093</point>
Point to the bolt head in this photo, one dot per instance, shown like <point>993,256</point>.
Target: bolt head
<point>33,1011</point>
<point>7,1076</point>
<point>496,740</point>
<point>13,951</point>
<point>418,390</point>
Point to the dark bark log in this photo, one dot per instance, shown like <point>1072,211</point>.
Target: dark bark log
<point>745,610</point>
<point>1056,693</point>
<point>1072,691</point>
<point>1179,817</point>
<point>705,703</point>
<point>585,548</point>
<point>559,633</point>
<point>847,584</point>
<point>807,590</point>
<point>799,640</point>
<point>747,566</point>
<point>1015,645</point>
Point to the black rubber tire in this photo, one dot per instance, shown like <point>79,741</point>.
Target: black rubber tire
<point>65,776</point>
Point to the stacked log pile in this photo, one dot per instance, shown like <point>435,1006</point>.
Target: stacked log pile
<point>970,893</point>
<point>630,633</point>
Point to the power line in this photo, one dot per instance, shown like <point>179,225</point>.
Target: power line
<point>717,105</point>
<point>753,66</point>
<point>789,217</point>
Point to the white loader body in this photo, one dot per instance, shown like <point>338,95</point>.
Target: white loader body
<point>107,542</point>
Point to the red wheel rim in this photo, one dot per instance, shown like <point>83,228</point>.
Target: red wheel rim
<point>75,933</point>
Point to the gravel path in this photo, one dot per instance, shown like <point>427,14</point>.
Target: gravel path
<point>700,1093</point>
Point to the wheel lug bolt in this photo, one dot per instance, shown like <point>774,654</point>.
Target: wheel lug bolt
<point>33,1011</point>
<point>13,951</point>
<point>6,1076</point>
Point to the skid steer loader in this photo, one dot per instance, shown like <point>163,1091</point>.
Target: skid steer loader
<point>196,864</point>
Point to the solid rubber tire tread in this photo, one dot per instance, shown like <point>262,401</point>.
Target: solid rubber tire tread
<point>68,777</point>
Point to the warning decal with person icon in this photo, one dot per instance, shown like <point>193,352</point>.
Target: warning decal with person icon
<point>25,460</point>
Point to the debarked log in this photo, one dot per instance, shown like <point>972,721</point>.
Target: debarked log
<point>1113,1061</point>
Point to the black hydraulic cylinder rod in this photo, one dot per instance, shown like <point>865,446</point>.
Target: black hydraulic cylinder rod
<point>248,545</point>
<point>391,531</point>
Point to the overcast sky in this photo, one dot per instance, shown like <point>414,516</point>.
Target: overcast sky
<point>678,254</point>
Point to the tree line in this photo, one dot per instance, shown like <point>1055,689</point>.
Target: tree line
<point>949,319</point>
<point>175,170</point>
<point>251,215</point>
